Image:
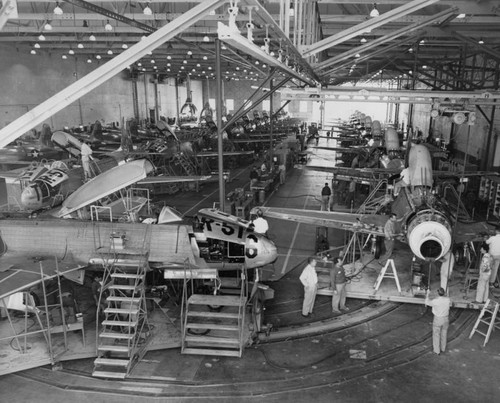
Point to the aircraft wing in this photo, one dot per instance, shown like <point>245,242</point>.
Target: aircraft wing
<point>19,272</point>
<point>345,150</point>
<point>151,180</point>
<point>366,223</point>
<point>207,154</point>
<point>472,231</point>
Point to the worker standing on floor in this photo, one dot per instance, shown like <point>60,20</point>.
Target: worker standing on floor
<point>309,280</point>
<point>326,193</point>
<point>351,194</point>
<point>86,154</point>
<point>338,281</point>
<point>441,310</point>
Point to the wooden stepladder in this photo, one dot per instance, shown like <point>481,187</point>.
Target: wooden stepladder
<point>387,274</point>
<point>491,307</point>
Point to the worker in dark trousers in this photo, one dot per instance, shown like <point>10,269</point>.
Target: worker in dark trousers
<point>326,193</point>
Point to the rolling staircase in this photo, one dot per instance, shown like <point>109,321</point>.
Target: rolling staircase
<point>453,199</point>
<point>185,163</point>
<point>124,333</point>
<point>374,201</point>
<point>213,324</point>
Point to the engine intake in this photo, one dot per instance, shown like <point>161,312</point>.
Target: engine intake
<point>429,235</point>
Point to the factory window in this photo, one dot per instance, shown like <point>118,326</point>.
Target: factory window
<point>266,105</point>
<point>212,103</point>
<point>230,105</point>
<point>303,106</point>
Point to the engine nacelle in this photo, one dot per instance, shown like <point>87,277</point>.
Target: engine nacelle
<point>391,139</point>
<point>429,235</point>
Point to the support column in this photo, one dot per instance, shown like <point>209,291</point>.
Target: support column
<point>219,101</point>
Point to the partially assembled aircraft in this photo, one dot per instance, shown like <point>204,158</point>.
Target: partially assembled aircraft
<point>428,224</point>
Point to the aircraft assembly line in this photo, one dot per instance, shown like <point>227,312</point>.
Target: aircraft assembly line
<point>239,200</point>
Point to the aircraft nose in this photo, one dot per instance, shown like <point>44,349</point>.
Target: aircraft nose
<point>30,199</point>
<point>259,251</point>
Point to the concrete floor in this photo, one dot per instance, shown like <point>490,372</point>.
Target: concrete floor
<point>378,352</point>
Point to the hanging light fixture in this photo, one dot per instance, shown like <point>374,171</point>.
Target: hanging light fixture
<point>64,57</point>
<point>47,26</point>
<point>92,38</point>
<point>33,51</point>
<point>89,60</point>
<point>206,38</point>
<point>80,46</point>
<point>71,51</point>
<point>41,37</point>
<point>58,10</point>
<point>108,26</point>
<point>110,52</point>
<point>147,10</point>
<point>480,41</point>
<point>374,13</point>
<point>124,46</point>
<point>363,39</point>
<point>98,57</point>
<point>36,46</point>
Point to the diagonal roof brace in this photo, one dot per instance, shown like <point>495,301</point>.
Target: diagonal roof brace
<point>9,10</point>
<point>379,41</point>
<point>103,73</point>
<point>356,30</point>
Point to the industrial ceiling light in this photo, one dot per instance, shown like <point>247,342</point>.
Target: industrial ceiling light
<point>110,52</point>
<point>71,51</point>
<point>206,38</point>
<point>58,10</point>
<point>36,46</point>
<point>357,55</point>
<point>169,57</point>
<point>33,51</point>
<point>108,26</point>
<point>89,60</point>
<point>152,61</point>
<point>80,46</point>
<point>41,37</point>
<point>363,39</point>
<point>124,46</point>
<point>205,58</point>
<point>98,57</point>
<point>64,57</point>
<point>147,10</point>
<point>480,41</point>
<point>189,53</point>
<point>47,26</point>
<point>374,13</point>
<point>92,38</point>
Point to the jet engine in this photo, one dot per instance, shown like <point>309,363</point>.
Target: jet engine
<point>429,234</point>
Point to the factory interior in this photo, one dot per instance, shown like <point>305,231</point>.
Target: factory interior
<point>249,200</point>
